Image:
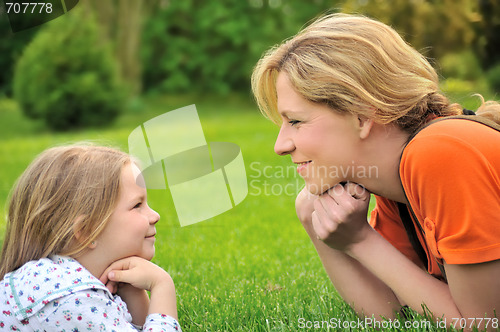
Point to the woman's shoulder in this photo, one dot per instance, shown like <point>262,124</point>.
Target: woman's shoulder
<point>459,131</point>
<point>454,142</point>
<point>449,156</point>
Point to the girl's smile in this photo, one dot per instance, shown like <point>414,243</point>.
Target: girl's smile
<point>131,229</point>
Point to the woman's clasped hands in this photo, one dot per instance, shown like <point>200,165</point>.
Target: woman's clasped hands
<point>339,217</point>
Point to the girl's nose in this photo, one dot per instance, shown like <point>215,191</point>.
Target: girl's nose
<point>284,144</point>
<point>154,216</point>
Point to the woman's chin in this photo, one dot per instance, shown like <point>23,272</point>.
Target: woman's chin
<point>317,189</point>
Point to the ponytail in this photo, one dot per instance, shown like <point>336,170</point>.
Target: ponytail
<point>489,109</point>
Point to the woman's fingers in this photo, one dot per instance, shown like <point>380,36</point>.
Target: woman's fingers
<point>357,191</point>
<point>342,193</point>
<point>351,197</point>
<point>320,229</point>
<point>340,213</point>
<point>324,217</point>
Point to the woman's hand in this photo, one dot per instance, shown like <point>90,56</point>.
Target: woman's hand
<point>132,276</point>
<point>304,206</point>
<point>339,217</point>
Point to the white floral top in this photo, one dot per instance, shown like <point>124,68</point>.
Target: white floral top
<point>59,294</point>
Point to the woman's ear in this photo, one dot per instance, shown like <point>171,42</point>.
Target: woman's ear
<point>365,126</point>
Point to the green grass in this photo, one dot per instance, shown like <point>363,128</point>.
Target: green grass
<point>251,268</point>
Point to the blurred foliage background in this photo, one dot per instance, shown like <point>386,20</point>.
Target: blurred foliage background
<point>105,67</point>
<point>109,52</point>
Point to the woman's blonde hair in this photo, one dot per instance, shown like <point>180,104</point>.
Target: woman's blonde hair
<point>61,203</point>
<point>360,66</point>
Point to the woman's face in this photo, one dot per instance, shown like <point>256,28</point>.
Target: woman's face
<point>323,143</point>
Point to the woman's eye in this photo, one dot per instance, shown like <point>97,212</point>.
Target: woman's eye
<point>293,122</point>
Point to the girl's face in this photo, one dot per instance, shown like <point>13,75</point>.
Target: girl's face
<point>323,143</point>
<point>131,228</point>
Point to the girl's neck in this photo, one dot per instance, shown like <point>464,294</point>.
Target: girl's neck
<point>94,264</point>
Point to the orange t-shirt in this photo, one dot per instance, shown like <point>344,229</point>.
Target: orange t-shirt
<point>450,172</point>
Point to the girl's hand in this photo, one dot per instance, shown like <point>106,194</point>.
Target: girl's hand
<point>140,275</point>
<point>339,217</point>
<point>137,272</point>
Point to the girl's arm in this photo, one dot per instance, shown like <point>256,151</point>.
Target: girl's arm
<point>137,301</point>
<point>144,275</point>
<point>337,220</point>
<point>93,310</point>
<point>360,288</point>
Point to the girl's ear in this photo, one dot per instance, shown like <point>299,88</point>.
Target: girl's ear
<point>77,226</point>
<point>365,126</point>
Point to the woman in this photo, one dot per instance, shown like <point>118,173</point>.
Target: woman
<point>350,95</point>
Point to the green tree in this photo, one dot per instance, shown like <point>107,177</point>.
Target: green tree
<point>11,47</point>
<point>435,27</point>
<point>120,23</point>
<point>212,46</point>
<point>67,75</point>
<point>489,39</point>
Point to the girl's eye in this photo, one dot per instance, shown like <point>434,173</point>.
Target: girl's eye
<point>138,205</point>
<point>293,122</point>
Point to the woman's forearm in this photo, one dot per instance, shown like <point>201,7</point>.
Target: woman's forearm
<point>360,288</point>
<point>411,284</point>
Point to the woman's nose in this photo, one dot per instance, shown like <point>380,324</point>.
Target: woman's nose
<point>284,143</point>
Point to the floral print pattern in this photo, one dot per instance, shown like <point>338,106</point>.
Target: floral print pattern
<point>58,293</point>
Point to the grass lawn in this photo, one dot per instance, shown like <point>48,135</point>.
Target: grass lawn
<point>251,268</point>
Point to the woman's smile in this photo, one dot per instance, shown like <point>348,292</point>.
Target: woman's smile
<point>302,165</point>
<point>318,138</point>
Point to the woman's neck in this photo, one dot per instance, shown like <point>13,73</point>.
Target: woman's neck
<point>383,151</point>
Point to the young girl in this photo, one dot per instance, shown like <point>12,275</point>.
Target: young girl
<point>79,231</point>
<point>350,95</point>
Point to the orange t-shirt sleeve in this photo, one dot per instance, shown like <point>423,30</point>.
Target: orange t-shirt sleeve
<point>452,183</point>
<point>386,221</point>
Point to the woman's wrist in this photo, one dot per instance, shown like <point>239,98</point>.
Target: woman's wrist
<point>367,241</point>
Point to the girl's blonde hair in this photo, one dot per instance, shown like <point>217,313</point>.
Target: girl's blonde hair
<point>360,66</point>
<point>61,203</point>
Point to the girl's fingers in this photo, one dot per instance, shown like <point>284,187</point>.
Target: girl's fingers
<point>114,273</point>
<point>126,276</point>
<point>112,286</point>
